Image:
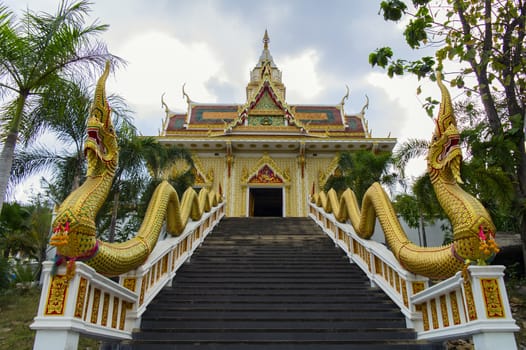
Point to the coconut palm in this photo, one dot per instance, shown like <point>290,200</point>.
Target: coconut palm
<point>143,164</point>
<point>36,54</point>
<point>359,170</point>
<point>64,115</point>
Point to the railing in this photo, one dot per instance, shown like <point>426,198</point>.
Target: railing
<point>471,303</point>
<point>94,305</point>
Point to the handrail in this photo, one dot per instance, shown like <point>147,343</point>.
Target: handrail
<point>471,303</point>
<point>94,305</point>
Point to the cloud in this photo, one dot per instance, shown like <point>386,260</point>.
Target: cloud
<point>412,120</point>
<point>300,76</point>
<point>212,46</point>
<point>159,63</point>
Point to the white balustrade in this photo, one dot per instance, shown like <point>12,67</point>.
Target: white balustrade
<point>94,305</point>
<point>473,303</point>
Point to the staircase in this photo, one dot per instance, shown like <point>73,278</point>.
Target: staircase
<point>272,283</point>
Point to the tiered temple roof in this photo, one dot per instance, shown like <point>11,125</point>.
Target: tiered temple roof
<point>267,114</point>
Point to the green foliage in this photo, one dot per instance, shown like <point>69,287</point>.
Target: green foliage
<point>14,223</point>
<point>359,170</point>
<point>5,272</point>
<point>381,57</point>
<point>407,207</point>
<point>37,54</point>
<point>485,41</point>
<point>23,273</point>
<point>488,37</point>
<point>416,31</point>
<point>392,9</point>
<point>483,169</point>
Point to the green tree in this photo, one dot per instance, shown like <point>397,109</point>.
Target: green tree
<point>14,224</point>
<point>39,230</point>
<point>36,54</point>
<point>143,164</point>
<point>487,38</point>
<point>64,116</point>
<point>359,170</point>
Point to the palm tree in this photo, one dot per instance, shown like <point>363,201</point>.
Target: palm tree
<point>14,223</point>
<point>37,53</point>
<point>143,164</point>
<point>40,230</point>
<point>359,170</point>
<point>70,111</point>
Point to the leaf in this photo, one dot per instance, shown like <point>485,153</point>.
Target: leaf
<point>381,57</point>
<point>392,9</point>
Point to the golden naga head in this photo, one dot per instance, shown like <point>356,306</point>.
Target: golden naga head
<point>100,146</point>
<point>445,155</point>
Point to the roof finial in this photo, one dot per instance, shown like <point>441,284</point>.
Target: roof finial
<point>266,40</point>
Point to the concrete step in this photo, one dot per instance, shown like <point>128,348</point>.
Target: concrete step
<point>272,283</point>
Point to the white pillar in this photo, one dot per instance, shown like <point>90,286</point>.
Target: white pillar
<point>46,339</point>
<point>494,340</point>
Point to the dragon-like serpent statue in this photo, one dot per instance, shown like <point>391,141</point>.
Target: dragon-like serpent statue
<point>74,230</point>
<point>473,229</point>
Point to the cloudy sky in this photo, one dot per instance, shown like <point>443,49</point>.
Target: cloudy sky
<point>320,46</point>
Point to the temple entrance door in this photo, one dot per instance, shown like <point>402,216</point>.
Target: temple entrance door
<point>266,202</point>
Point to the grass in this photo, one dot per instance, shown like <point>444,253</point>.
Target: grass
<point>18,307</point>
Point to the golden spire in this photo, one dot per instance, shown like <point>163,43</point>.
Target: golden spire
<point>266,40</point>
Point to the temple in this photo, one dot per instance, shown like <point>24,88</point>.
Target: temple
<point>265,154</point>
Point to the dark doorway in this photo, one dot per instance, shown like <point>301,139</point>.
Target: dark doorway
<point>266,202</point>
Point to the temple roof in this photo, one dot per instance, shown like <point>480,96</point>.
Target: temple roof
<point>266,113</point>
<point>265,54</point>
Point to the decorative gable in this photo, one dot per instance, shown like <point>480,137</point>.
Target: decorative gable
<point>266,171</point>
<point>265,175</point>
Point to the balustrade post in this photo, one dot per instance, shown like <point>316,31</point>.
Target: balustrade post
<point>488,308</point>
<point>54,323</point>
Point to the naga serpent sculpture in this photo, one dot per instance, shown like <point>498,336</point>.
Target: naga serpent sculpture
<point>74,230</point>
<point>473,229</point>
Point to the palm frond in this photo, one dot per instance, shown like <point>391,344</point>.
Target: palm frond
<point>33,161</point>
<point>408,150</point>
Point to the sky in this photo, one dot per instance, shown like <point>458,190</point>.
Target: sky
<point>211,46</point>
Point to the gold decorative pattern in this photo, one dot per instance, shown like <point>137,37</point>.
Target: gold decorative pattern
<point>129,282</point>
<point>492,298</point>
<point>143,290</point>
<point>425,316</point>
<point>58,291</point>
<point>329,170</point>
<point>115,312</point>
<point>74,230</point>
<point>201,177</point>
<point>165,264</point>
<point>95,306</point>
<point>469,219</point>
<point>312,116</point>
<point>265,160</point>
<point>378,265</point>
<point>87,304</point>
<point>124,309</point>
<point>105,309</point>
<point>434,316</point>
<point>81,297</point>
<point>218,115</point>
<point>443,311</point>
<point>454,307</point>
<point>470,301</point>
<point>265,175</point>
<point>418,287</point>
